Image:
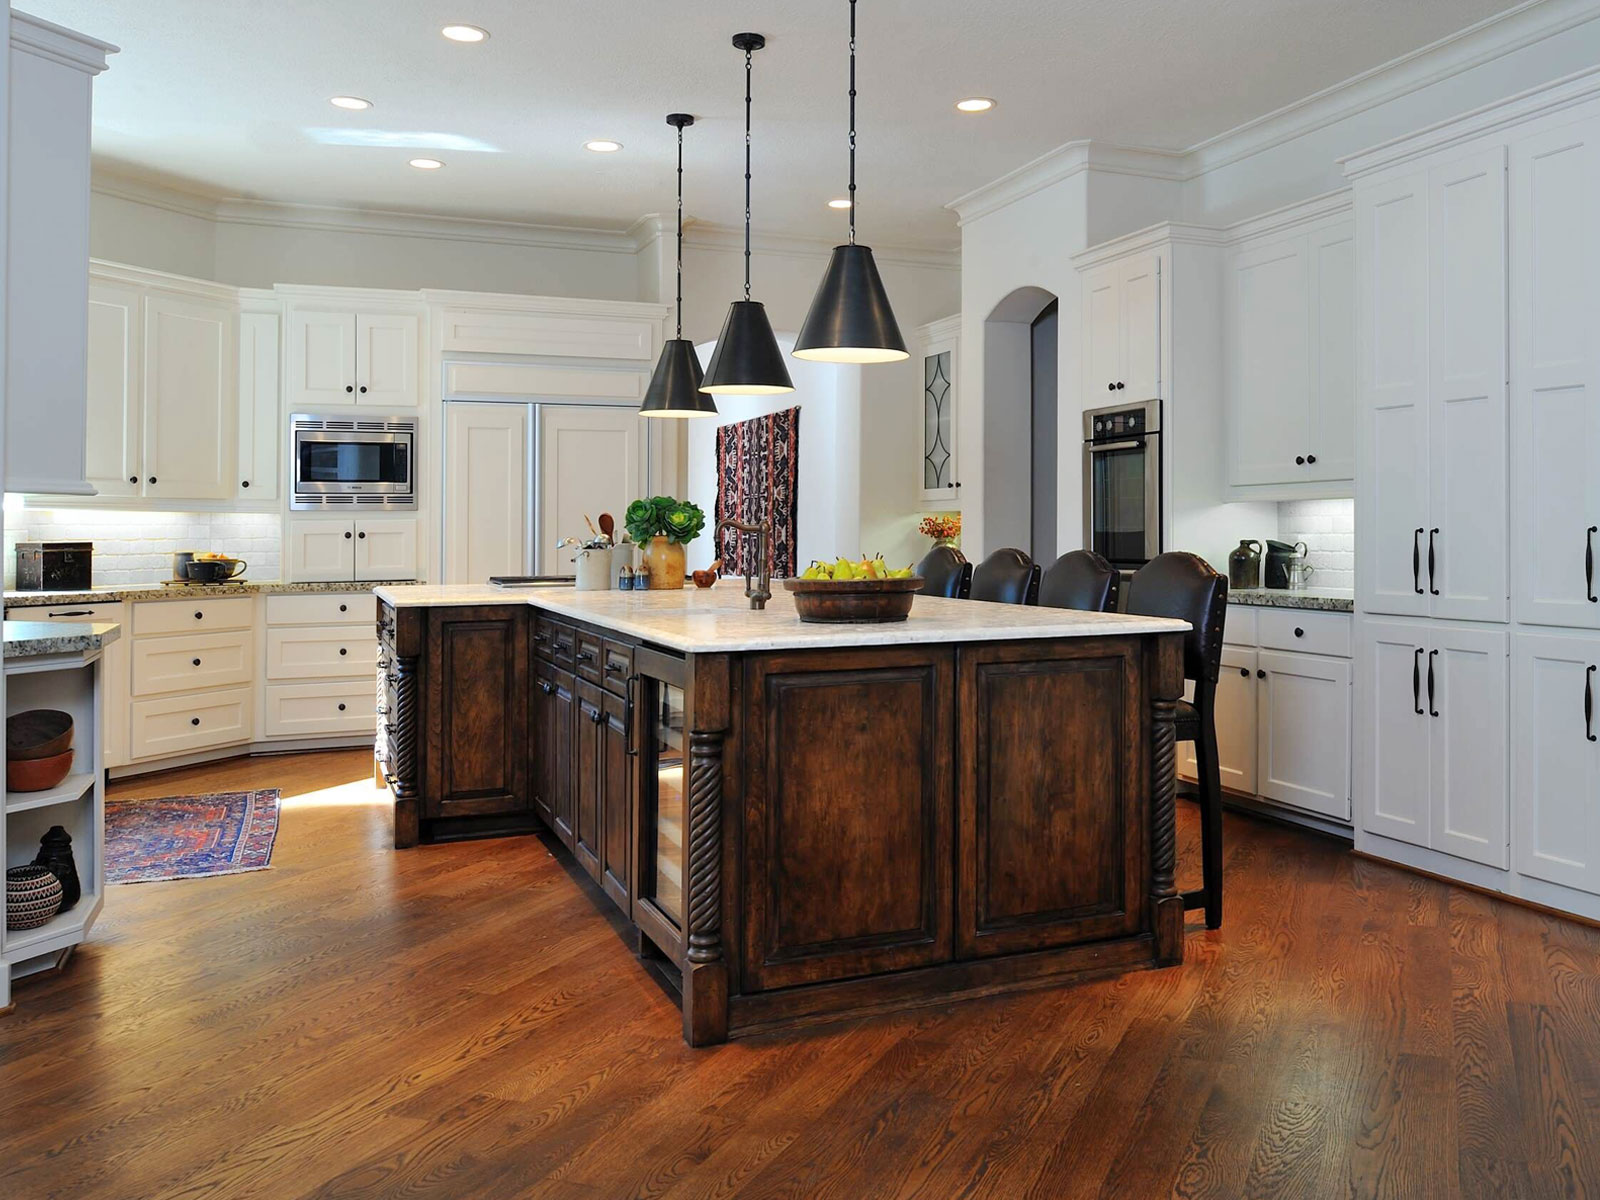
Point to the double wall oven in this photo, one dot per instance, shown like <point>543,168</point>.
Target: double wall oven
<point>1122,483</point>
<point>343,462</point>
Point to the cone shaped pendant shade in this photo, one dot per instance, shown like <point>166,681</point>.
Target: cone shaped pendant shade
<point>850,319</point>
<point>675,387</point>
<point>747,361</point>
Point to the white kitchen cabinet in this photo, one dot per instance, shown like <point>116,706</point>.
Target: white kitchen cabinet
<point>170,725</point>
<point>1432,744</point>
<point>193,663</point>
<point>591,461</point>
<point>1122,330</point>
<point>938,475</point>
<point>339,357</point>
<point>1236,723</point>
<point>1555,375</point>
<point>1303,731</point>
<point>260,422</point>
<point>51,75</point>
<point>112,443</point>
<point>364,549</point>
<point>487,491</point>
<point>321,651</point>
<point>114,668</point>
<point>386,548</point>
<point>299,710</point>
<point>1431,508</point>
<point>1556,759</point>
<point>188,399</point>
<point>1291,357</point>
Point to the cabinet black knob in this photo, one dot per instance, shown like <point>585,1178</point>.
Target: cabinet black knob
<point>362,535</point>
<point>363,389</point>
<point>197,662</point>
<point>1120,385</point>
<point>1298,632</point>
<point>349,388</point>
<point>1299,460</point>
<point>347,535</point>
<point>1111,387</point>
<point>950,485</point>
<point>199,616</point>
<point>344,608</point>
<point>343,651</point>
<point>1311,458</point>
<point>244,483</point>
<point>958,485</point>
<point>1261,674</point>
<point>1244,672</point>
<point>341,708</point>
<point>194,720</point>
<point>152,479</point>
<point>133,479</point>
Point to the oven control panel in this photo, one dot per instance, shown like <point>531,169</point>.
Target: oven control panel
<point>1116,424</point>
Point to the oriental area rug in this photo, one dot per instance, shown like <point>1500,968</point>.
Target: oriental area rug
<point>190,837</point>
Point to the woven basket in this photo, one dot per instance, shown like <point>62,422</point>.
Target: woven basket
<point>33,896</point>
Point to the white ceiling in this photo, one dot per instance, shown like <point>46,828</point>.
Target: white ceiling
<point>219,97</point>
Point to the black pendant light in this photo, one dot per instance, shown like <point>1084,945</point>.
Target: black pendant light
<point>675,387</point>
<point>850,319</point>
<point>747,361</point>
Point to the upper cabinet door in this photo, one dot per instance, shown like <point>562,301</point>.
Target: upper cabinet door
<point>189,450</point>
<point>487,501</point>
<point>591,461</point>
<point>1139,299</point>
<point>938,478</point>
<point>322,551</point>
<point>386,359</point>
<point>322,359</point>
<point>1392,421</point>
<point>1470,711</point>
<point>1555,375</point>
<point>1467,386</point>
<point>1331,420</point>
<point>1102,335</point>
<point>260,422</point>
<point>1269,294</point>
<point>112,441</point>
<point>386,548</point>
<point>1556,768</point>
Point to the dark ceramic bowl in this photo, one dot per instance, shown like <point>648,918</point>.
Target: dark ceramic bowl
<point>38,774</point>
<point>864,601</point>
<point>38,733</point>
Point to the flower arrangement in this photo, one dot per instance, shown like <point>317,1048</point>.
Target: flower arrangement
<point>943,528</point>
<point>678,521</point>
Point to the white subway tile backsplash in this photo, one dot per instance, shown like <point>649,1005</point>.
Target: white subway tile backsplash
<point>132,548</point>
<point>1327,527</point>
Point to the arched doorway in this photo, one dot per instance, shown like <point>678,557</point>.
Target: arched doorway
<point>1020,419</point>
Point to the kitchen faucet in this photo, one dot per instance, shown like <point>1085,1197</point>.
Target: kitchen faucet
<point>762,591</point>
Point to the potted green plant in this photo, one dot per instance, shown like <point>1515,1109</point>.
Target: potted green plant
<point>660,526</point>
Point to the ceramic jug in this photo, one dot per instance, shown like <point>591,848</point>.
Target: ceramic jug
<point>1244,565</point>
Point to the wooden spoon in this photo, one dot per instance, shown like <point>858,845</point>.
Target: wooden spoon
<point>608,526</point>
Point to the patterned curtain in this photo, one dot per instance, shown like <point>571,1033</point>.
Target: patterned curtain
<point>758,464</point>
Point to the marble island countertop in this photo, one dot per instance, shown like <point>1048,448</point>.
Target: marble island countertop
<point>31,639</point>
<point>186,591</point>
<point>1320,599</point>
<point>720,619</point>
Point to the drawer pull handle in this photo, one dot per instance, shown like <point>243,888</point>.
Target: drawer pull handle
<point>342,650</point>
<point>1588,705</point>
<point>1298,632</point>
<point>585,656</point>
<point>341,708</point>
<point>1416,682</point>
<point>614,668</point>
<point>197,662</point>
<point>199,616</point>
<point>1432,711</point>
<point>344,608</point>
<point>72,612</point>
<point>547,688</point>
<point>194,720</point>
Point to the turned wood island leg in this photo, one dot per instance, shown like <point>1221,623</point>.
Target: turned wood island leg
<point>705,967</point>
<point>1164,683</point>
<point>400,633</point>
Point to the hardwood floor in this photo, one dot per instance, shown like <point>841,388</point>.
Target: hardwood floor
<point>461,1021</point>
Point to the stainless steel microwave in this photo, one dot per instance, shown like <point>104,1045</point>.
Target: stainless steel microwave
<point>349,462</point>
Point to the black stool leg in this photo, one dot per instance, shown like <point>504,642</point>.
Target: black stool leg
<point>1210,773</point>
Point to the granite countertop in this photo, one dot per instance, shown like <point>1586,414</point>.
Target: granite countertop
<point>1321,599</point>
<point>187,591</point>
<point>30,639</point>
<point>720,619</point>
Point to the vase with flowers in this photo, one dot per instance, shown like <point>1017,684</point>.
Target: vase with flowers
<point>943,528</point>
<point>660,526</point>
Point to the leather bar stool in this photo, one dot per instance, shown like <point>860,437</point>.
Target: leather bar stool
<point>1080,579</point>
<point>1182,585</point>
<point>946,572</point>
<point>1008,576</point>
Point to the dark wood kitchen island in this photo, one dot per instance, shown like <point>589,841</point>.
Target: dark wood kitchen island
<point>806,820</point>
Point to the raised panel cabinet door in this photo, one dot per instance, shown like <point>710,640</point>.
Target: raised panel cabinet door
<point>588,766</point>
<point>386,548</point>
<point>1555,766</point>
<point>476,724</point>
<point>260,415</point>
<point>1268,351</point>
<point>487,491</point>
<point>1139,288</point>
<point>591,460</point>
<point>1467,573</point>
<point>541,721</point>
<point>552,735</point>
<point>322,551</point>
<point>1304,732</point>
<point>1392,410</point>
<point>386,359</point>
<point>1102,335</point>
<point>1051,844</point>
<point>1555,375</point>
<point>321,359</point>
<point>1331,256</point>
<point>1471,730</point>
<point>848,803</point>
<point>188,399</point>
<point>111,454</point>
<point>1393,732</point>
<point>616,801</point>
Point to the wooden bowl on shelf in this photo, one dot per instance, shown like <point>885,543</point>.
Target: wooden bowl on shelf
<point>38,733</point>
<point>845,601</point>
<point>38,774</point>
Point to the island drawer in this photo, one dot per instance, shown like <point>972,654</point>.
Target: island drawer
<point>616,666</point>
<point>556,642</point>
<point>587,656</point>
<point>182,616</point>
<point>1302,631</point>
<point>330,608</point>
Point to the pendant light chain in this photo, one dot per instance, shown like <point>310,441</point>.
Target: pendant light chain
<point>680,231</point>
<point>852,122</point>
<point>747,54</point>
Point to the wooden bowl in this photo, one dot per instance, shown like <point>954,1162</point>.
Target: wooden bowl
<point>38,733</point>
<point>38,774</point>
<point>865,601</point>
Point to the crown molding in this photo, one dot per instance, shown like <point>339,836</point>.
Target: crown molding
<point>124,273</point>
<point>560,305</point>
<point>703,235</point>
<point>59,44</point>
<point>1332,204</point>
<point>1154,237</point>
<point>1064,162</point>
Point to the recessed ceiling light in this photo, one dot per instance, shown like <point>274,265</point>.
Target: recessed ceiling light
<point>603,146</point>
<point>465,33</point>
<point>975,104</point>
<point>840,203</point>
<point>350,102</point>
<point>426,164</point>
